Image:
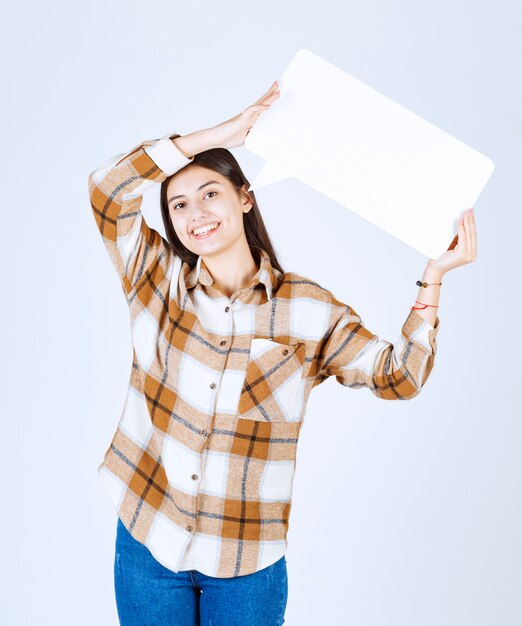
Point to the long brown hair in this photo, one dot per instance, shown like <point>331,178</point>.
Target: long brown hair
<point>222,161</point>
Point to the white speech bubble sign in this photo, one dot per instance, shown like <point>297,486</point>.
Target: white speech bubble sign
<point>368,153</point>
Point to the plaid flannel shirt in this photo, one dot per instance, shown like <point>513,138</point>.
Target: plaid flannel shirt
<point>201,466</point>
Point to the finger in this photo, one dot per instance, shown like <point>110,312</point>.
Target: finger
<point>463,237</point>
<point>250,115</point>
<point>469,228</point>
<point>273,88</point>
<point>271,94</point>
<point>473,233</point>
<point>257,109</point>
<point>272,98</point>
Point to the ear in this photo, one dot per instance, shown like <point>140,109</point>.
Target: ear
<point>246,198</point>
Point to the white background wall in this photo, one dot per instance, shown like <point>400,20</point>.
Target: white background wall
<point>405,513</point>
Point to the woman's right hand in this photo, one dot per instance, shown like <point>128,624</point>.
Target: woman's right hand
<point>232,133</point>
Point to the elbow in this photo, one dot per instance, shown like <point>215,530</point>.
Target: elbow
<point>418,381</point>
<point>395,392</point>
<point>403,383</point>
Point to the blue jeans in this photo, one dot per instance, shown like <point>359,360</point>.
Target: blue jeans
<point>149,594</point>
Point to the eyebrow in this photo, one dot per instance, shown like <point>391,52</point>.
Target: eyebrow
<point>210,182</point>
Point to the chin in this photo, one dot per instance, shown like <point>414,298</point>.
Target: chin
<point>204,249</point>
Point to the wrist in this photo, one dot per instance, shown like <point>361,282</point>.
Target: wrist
<point>207,138</point>
<point>432,274</point>
<point>194,143</point>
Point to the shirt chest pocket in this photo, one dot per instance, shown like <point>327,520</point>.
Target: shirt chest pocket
<point>272,384</point>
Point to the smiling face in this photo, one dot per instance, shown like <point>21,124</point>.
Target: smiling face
<point>198,197</point>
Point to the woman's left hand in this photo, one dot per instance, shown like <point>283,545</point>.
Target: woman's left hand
<point>463,248</point>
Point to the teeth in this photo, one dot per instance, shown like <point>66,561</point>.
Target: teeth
<point>204,229</point>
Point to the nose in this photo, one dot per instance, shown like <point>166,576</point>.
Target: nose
<point>198,212</point>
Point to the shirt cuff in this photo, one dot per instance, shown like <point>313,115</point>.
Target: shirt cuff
<point>167,156</point>
<point>420,330</point>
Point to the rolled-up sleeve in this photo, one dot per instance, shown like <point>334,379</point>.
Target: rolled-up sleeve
<point>116,191</point>
<point>358,358</point>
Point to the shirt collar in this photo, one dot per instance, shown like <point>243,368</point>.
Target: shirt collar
<point>266,274</point>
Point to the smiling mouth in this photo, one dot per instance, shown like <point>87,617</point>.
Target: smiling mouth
<point>207,233</point>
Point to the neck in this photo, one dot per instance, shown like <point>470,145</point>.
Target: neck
<point>232,269</point>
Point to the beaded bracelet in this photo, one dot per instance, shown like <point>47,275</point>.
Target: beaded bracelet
<point>420,308</point>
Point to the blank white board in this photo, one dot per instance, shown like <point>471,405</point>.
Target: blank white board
<point>368,153</point>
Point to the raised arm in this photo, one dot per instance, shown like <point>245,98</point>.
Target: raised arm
<point>359,358</point>
<point>116,188</point>
<point>394,371</point>
<point>116,191</point>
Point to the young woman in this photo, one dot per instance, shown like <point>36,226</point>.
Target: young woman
<point>227,347</point>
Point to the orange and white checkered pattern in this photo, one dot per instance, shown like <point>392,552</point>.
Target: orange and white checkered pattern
<point>201,466</point>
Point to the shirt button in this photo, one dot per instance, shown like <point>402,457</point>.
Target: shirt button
<point>285,351</point>
<point>223,342</point>
<point>189,528</point>
<point>227,309</point>
<point>212,385</point>
<point>203,432</point>
<point>195,476</point>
